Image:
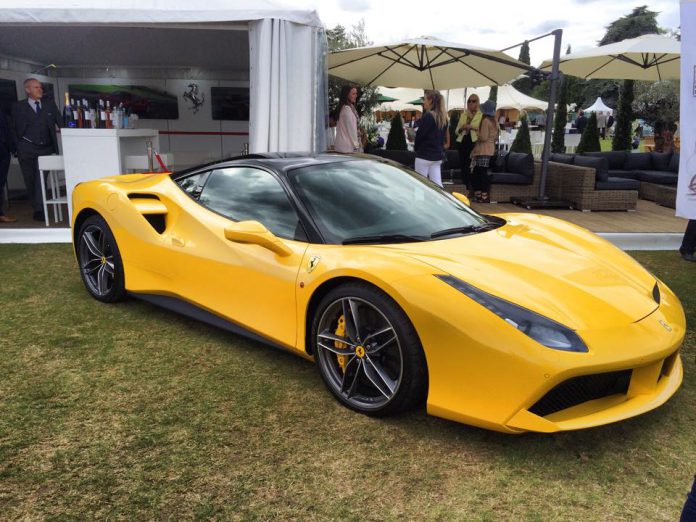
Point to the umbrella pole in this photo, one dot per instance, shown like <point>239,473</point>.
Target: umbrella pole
<point>558,33</point>
<point>542,201</point>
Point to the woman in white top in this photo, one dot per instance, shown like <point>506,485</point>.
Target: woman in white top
<point>347,135</point>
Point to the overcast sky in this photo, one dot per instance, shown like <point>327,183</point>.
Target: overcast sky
<point>495,24</point>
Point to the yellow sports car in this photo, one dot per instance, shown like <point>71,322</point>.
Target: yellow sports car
<point>400,292</point>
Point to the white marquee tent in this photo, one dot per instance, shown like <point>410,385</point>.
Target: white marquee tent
<point>281,51</point>
<point>599,106</point>
<point>508,98</point>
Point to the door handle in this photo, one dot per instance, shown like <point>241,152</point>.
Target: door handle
<point>176,241</point>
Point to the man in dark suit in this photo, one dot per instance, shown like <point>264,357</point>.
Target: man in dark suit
<point>7,147</point>
<point>581,122</point>
<point>34,122</point>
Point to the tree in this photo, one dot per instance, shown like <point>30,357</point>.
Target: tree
<point>559,122</point>
<point>453,122</point>
<point>522,142</point>
<point>338,39</point>
<point>658,101</point>
<point>639,22</point>
<point>396,139</point>
<point>493,95</point>
<point>622,126</point>
<point>589,141</point>
<point>524,84</point>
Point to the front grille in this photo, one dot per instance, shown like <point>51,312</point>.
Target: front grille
<point>582,389</point>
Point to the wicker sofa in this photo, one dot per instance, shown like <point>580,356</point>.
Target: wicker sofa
<point>654,174</point>
<point>577,185</point>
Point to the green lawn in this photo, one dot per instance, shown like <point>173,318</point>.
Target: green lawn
<point>131,412</point>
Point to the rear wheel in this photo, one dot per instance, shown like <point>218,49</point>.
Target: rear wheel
<point>367,351</point>
<point>100,262</point>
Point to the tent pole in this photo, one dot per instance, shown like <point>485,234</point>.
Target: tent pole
<point>558,33</point>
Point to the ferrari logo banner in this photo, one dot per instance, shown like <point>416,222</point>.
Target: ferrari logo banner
<point>686,189</point>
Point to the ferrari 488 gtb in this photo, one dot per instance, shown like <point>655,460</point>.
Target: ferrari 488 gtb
<point>400,292</point>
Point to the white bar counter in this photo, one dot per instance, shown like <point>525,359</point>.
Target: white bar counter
<point>96,153</point>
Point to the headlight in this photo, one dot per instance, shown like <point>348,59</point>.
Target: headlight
<point>542,329</point>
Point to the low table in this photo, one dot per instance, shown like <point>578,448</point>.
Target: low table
<point>665,195</point>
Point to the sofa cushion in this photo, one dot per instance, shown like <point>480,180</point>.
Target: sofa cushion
<point>499,163</point>
<point>616,158</point>
<point>657,176</point>
<point>510,178</point>
<point>674,163</point>
<point>562,158</point>
<point>660,160</point>
<point>618,184</point>
<point>406,157</point>
<point>601,165</point>
<point>638,161</point>
<point>627,174</point>
<point>520,163</point>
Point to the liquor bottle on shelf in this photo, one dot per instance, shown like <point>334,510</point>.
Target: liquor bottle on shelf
<point>126,117</point>
<point>80,116</point>
<point>92,114</point>
<point>73,108</point>
<point>68,120</point>
<point>102,115</point>
<point>108,122</point>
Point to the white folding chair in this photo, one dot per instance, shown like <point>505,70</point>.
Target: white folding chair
<point>571,142</point>
<point>50,168</point>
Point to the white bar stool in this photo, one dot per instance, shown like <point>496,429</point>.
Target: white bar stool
<point>139,163</point>
<point>51,166</point>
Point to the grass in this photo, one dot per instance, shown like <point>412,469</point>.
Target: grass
<point>131,412</point>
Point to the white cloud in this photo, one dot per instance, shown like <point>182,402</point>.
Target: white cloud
<point>354,6</point>
<point>496,24</point>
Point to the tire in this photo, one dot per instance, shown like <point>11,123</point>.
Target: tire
<point>377,368</point>
<point>99,261</point>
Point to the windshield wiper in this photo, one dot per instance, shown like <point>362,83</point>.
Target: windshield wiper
<point>385,238</point>
<point>468,229</point>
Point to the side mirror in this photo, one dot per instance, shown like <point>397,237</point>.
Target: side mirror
<point>461,197</point>
<point>254,233</point>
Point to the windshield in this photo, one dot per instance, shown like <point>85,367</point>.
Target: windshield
<point>369,201</point>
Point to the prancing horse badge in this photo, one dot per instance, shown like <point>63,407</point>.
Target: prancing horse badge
<point>312,264</point>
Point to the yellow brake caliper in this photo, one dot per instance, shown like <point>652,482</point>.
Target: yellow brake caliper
<point>341,332</point>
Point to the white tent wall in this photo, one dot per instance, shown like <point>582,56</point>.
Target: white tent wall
<point>285,99</point>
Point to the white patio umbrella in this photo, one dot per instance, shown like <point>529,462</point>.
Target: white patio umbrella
<point>650,57</point>
<point>425,63</point>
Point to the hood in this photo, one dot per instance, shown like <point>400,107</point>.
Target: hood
<point>554,268</point>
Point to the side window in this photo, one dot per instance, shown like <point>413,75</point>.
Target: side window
<point>245,193</point>
<point>193,185</point>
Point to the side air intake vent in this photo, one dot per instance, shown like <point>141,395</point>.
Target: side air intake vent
<point>157,221</point>
<point>134,195</point>
<point>152,209</point>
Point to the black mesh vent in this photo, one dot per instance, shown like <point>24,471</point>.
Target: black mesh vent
<point>582,389</point>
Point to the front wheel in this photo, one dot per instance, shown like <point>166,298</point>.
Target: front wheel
<point>367,351</point>
<point>99,260</point>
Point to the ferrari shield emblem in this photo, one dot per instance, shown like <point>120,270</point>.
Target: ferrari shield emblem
<point>312,264</point>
